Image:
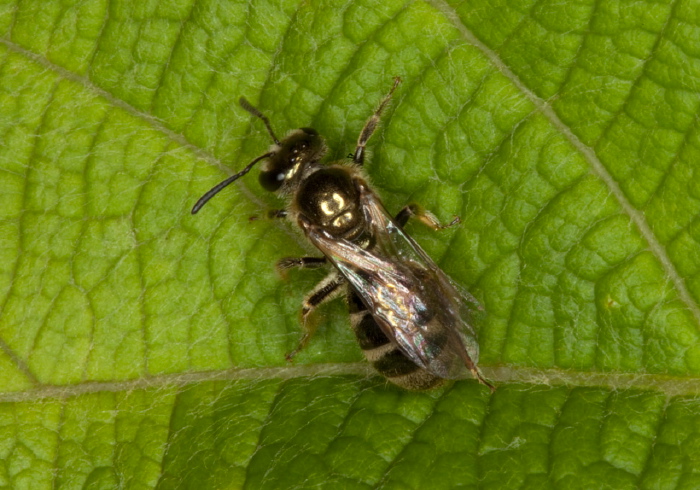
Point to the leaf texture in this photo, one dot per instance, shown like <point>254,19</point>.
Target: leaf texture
<point>143,347</point>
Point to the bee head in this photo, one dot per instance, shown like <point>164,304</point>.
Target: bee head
<point>301,147</point>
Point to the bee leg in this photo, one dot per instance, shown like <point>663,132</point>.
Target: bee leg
<point>271,214</point>
<point>371,125</point>
<point>326,290</point>
<point>283,265</point>
<point>301,262</point>
<point>424,216</point>
<point>476,372</point>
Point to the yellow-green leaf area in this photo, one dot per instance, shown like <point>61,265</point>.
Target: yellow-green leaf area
<point>142,346</point>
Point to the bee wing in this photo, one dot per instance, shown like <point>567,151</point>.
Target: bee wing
<point>415,304</point>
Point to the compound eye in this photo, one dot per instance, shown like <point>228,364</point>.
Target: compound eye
<point>271,180</point>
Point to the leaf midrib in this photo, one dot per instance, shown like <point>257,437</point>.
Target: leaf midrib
<point>668,385</point>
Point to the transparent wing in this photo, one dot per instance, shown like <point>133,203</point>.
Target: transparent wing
<point>415,304</point>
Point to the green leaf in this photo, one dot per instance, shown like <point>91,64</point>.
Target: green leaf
<point>141,346</point>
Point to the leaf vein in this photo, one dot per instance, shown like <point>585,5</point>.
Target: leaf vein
<point>596,165</point>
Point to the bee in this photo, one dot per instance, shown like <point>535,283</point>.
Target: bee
<point>414,324</point>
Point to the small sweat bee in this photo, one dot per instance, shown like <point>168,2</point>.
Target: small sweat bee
<point>412,322</point>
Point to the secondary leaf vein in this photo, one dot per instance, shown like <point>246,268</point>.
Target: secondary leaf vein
<point>597,167</point>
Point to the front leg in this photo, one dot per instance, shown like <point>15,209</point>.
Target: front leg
<point>371,124</point>
<point>271,214</point>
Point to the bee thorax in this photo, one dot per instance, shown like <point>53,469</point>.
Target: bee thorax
<point>329,199</point>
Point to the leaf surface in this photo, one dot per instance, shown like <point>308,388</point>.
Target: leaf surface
<point>141,346</point>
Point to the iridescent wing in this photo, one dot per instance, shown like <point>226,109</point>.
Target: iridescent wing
<point>415,304</point>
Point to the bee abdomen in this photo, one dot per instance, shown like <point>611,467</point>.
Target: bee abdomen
<point>385,356</point>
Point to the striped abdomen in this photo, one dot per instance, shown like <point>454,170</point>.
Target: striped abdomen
<point>384,356</point>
